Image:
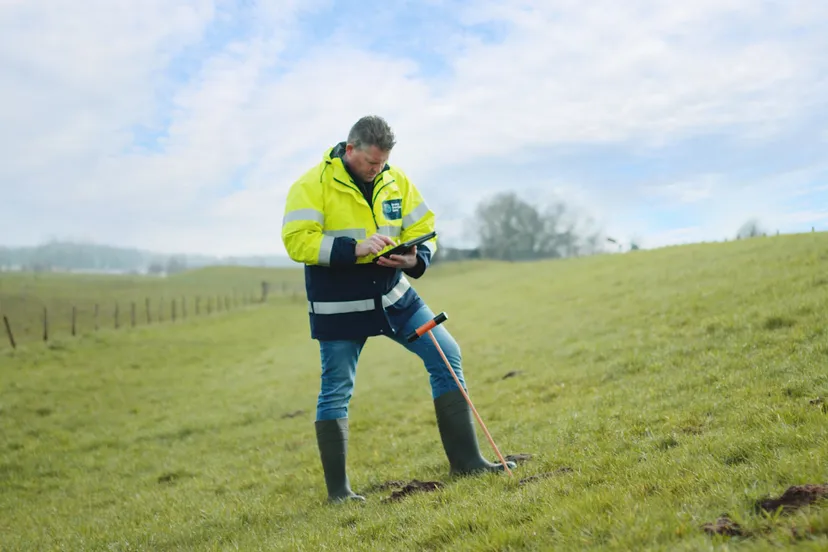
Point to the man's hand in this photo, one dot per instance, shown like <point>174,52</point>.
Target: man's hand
<point>373,245</point>
<point>408,260</point>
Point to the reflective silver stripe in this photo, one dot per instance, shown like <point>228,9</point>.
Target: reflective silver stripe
<point>390,231</point>
<point>414,216</point>
<point>396,293</point>
<point>362,305</point>
<point>341,307</point>
<point>430,246</point>
<point>325,249</point>
<point>356,233</point>
<point>304,215</point>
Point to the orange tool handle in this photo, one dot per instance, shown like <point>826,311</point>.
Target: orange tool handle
<point>416,334</point>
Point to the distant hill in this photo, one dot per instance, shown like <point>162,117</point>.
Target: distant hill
<point>83,257</point>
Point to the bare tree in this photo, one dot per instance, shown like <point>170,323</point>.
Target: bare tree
<point>750,229</point>
<point>509,228</point>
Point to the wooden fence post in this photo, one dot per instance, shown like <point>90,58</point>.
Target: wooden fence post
<point>74,320</point>
<point>198,304</point>
<point>117,309</point>
<point>9,331</point>
<point>172,309</point>
<point>45,324</point>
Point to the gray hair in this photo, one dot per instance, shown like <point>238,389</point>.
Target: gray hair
<point>372,130</point>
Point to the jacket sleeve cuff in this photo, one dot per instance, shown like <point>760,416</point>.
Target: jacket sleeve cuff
<point>423,261</point>
<point>343,251</point>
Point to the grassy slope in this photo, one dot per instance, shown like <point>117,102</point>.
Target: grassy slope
<point>676,384</point>
<point>23,297</point>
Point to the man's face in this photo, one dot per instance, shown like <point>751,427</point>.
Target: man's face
<point>366,162</point>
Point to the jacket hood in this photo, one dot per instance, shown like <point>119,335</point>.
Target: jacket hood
<point>336,152</point>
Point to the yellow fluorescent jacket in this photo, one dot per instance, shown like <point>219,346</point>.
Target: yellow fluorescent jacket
<point>325,203</point>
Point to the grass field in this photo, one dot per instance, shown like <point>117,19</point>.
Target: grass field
<point>658,389</point>
<point>24,296</point>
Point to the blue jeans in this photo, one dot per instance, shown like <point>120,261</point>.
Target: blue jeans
<point>339,362</point>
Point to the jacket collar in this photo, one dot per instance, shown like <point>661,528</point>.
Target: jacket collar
<point>335,156</point>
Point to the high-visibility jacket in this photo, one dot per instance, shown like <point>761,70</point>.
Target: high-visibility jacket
<point>325,216</point>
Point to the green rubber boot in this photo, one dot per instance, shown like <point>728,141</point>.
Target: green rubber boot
<point>332,439</point>
<point>456,425</point>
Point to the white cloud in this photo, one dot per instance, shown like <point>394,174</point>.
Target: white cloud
<point>720,213</point>
<point>806,217</point>
<point>686,191</point>
<point>77,76</point>
<point>84,73</point>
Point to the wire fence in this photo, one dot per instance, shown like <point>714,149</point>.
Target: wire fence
<point>30,319</point>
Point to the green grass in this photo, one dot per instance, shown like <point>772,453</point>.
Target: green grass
<point>25,296</point>
<point>677,385</point>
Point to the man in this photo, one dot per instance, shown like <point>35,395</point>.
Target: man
<point>340,215</point>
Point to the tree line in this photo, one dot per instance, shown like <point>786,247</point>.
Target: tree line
<point>71,255</point>
<point>509,228</point>
<point>505,227</point>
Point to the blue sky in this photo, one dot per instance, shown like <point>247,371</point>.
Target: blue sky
<point>179,126</point>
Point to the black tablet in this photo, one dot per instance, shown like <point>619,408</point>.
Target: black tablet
<point>404,247</point>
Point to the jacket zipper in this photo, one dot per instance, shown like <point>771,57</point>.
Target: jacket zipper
<point>376,193</point>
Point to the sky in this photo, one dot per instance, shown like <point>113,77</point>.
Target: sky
<point>179,126</point>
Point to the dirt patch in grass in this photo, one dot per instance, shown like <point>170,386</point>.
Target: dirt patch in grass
<point>518,458</point>
<point>385,486</point>
<point>294,414</point>
<point>171,477</point>
<point>415,486</point>
<point>724,526</point>
<point>512,374</point>
<point>547,475</point>
<point>794,497</point>
<point>778,323</point>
